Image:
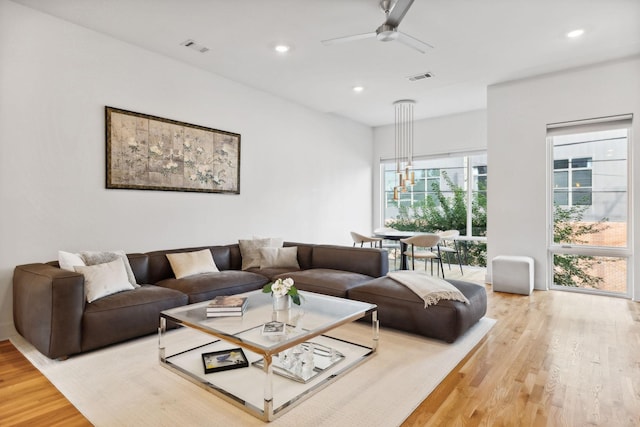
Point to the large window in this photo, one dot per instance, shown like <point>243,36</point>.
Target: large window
<point>589,246</point>
<point>449,193</point>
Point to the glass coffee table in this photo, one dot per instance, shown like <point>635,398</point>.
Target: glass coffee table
<point>275,371</point>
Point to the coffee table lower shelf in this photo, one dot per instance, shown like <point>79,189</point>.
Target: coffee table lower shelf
<point>243,387</point>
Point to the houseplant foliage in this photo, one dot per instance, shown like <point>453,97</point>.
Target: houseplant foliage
<point>441,211</point>
<point>573,270</point>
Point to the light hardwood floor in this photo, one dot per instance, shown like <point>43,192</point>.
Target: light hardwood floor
<point>27,398</point>
<point>552,359</point>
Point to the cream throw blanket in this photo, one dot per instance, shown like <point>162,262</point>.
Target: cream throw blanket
<point>430,289</point>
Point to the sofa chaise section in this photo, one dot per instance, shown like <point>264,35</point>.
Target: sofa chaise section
<point>400,308</point>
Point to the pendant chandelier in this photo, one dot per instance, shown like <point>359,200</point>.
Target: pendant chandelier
<point>403,146</point>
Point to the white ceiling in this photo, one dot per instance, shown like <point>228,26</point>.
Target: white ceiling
<point>476,43</point>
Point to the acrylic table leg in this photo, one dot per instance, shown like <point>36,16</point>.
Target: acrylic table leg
<point>268,388</point>
<point>161,331</point>
<point>375,325</point>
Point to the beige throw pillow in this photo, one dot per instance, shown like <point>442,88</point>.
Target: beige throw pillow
<point>274,242</point>
<point>250,251</point>
<point>104,279</point>
<point>279,257</point>
<point>189,263</point>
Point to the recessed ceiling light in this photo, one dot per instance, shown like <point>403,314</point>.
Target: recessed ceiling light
<point>358,89</point>
<point>575,33</point>
<point>282,48</point>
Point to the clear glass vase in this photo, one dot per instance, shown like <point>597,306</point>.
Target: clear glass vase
<point>281,303</point>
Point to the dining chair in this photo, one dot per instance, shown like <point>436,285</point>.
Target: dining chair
<point>424,246</point>
<point>361,239</point>
<point>444,246</point>
<point>392,246</point>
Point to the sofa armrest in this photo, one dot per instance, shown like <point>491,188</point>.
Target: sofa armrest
<point>48,304</point>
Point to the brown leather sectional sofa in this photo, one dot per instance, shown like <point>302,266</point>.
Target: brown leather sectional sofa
<point>51,312</point>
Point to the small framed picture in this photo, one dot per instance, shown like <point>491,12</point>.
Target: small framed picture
<point>273,328</point>
<point>224,360</point>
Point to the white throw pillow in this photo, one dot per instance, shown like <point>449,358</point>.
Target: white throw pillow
<point>68,260</point>
<point>250,251</point>
<point>189,263</point>
<point>105,279</point>
<point>100,257</point>
<point>279,257</point>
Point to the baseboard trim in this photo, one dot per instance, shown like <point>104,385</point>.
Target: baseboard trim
<point>7,330</point>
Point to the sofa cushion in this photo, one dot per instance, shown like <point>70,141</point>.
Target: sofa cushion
<point>140,266</point>
<point>305,251</point>
<point>203,287</point>
<point>325,281</point>
<point>273,272</point>
<point>186,264</point>
<point>400,308</point>
<point>126,315</point>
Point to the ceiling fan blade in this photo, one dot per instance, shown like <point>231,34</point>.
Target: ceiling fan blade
<point>413,42</point>
<point>348,38</point>
<point>397,13</point>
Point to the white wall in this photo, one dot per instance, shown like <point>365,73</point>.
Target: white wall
<point>518,113</point>
<point>305,176</point>
<point>440,135</point>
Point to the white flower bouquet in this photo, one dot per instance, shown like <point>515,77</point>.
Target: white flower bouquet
<point>282,287</point>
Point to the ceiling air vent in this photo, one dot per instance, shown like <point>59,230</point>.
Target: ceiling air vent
<point>195,46</point>
<point>421,76</point>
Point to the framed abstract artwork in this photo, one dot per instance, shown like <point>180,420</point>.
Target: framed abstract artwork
<point>152,153</point>
<point>224,360</point>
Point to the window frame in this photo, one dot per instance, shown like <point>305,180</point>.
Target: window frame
<point>469,177</point>
<point>553,248</point>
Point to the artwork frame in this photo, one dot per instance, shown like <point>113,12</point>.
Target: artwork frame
<point>145,152</point>
<point>224,360</point>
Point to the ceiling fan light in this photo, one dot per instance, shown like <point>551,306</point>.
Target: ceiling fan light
<point>386,33</point>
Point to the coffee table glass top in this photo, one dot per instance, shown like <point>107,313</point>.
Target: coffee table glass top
<point>317,314</point>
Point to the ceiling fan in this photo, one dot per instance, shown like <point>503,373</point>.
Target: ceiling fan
<point>388,31</point>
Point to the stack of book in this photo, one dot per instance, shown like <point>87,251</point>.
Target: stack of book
<point>224,306</point>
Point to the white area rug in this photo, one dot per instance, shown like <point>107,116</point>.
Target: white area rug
<point>124,385</point>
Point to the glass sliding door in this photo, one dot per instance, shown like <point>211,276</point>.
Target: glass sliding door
<point>589,205</point>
